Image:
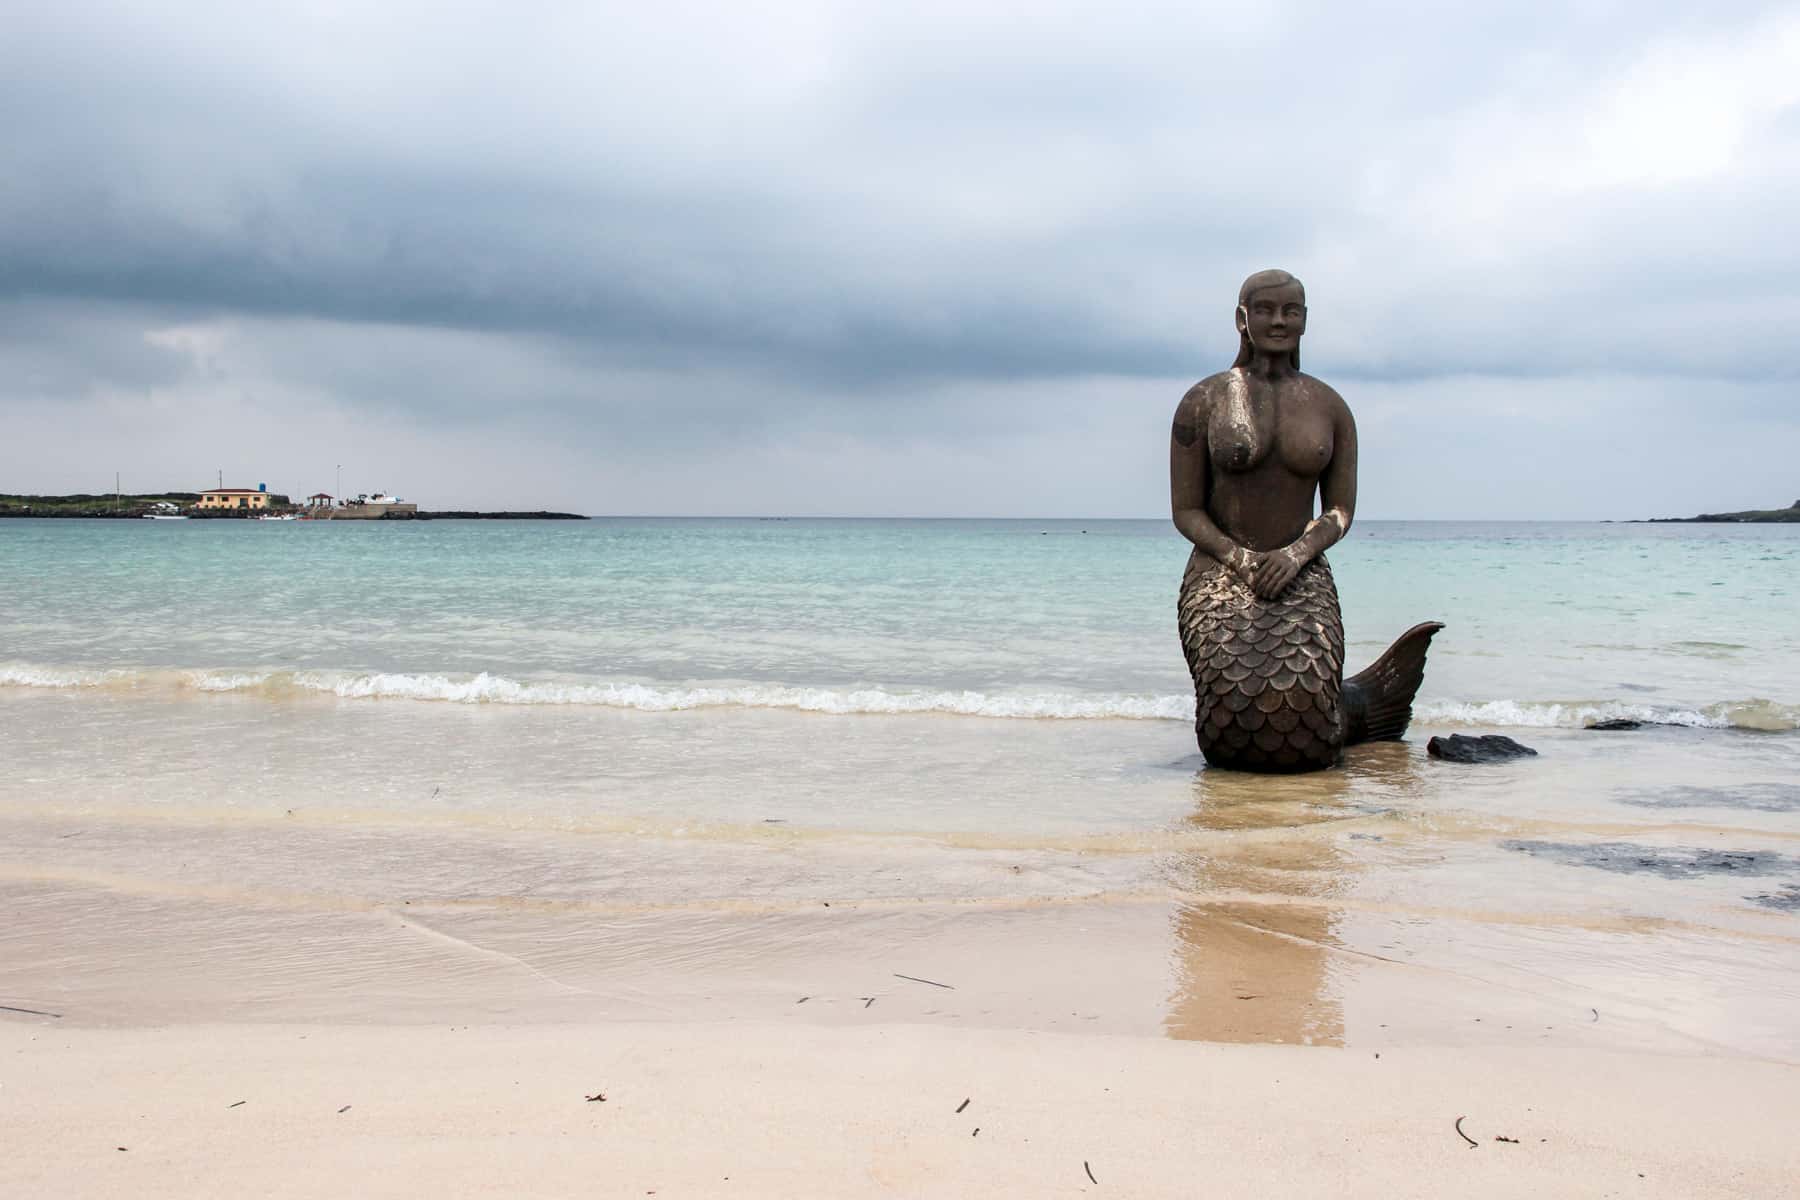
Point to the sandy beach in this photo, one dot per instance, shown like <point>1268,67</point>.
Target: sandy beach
<point>757,1109</point>
<point>1290,994</point>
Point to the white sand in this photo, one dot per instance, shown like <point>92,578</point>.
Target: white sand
<point>759,1110</point>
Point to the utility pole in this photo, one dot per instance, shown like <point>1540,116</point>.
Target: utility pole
<point>118,493</point>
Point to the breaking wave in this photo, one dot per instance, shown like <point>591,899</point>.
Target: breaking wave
<point>497,689</point>
<point>1761,715</point>
<point>57,677</point>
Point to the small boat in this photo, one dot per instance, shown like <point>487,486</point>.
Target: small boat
<point>164,517</point>
<point>280,517</point>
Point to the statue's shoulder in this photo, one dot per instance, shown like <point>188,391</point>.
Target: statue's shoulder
<point>1324,393</point>
<point>1199,397</point>
<point>1195,409</point>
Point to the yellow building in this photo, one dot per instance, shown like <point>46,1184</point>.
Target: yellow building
<point>233,498</point>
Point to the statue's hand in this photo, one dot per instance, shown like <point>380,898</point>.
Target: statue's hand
<point>1274,572</point>
<point>1244,563</point>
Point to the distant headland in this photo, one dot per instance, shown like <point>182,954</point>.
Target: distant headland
<point>244,504</point>
<point>1754,516</point>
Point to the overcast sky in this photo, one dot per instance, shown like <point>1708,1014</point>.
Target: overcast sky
<point>895,259</point>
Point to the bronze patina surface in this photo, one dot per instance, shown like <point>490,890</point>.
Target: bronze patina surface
<point>1258,612</point>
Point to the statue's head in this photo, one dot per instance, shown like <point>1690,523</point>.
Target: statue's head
<point>1271,316</point>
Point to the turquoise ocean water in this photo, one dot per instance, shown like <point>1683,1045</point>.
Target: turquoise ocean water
<point>1548,623</point>
<point>446,771</point>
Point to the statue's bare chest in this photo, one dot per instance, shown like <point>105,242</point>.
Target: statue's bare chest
<point>1254,421</point>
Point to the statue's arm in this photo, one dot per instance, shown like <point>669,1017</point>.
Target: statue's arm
<point>1337,487</point>
<point>1336,492</point>
<point>1190,483</point>
<point>1337,508</point>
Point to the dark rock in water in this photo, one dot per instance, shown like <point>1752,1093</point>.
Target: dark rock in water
<point>1786,900</point>
<point>1614,724</point>
<point>1487,748</point>
<point>1677,862</point>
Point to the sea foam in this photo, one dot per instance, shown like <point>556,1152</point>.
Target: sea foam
<point>488,688</point>
<point>496,689</point>
<point>1754,714</point>
<point>1026,704</point>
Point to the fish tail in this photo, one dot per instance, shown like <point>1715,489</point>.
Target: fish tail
<point>1377,701</point>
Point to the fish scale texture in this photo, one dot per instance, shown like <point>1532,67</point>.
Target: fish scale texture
<point>1267,673</point>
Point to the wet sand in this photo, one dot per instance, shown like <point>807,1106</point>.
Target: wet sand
<point>1620,892</point>
<point>1301,939</point>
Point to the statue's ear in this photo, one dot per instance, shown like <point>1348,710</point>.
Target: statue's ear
<point>1243,319</point>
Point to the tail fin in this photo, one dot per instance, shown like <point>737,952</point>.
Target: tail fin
<point>1377,700</point>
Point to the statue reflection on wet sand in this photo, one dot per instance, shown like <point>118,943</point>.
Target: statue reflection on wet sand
<point>1258,612</point>
<point>1258,955</point>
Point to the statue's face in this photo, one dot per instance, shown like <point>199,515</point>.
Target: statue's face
<point>1274,318</point>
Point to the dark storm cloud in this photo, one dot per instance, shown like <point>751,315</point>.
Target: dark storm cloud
<point>645,282</point>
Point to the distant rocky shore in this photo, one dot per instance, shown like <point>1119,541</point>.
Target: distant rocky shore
<point>1754,516</point>
<point>459,515</point>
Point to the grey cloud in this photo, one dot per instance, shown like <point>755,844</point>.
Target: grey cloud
<point>1041,199</point>
<point>767,242</point>
<point>55,352</point>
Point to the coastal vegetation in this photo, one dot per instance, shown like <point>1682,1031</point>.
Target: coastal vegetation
<point>136,504</point>
<point>110,505</point>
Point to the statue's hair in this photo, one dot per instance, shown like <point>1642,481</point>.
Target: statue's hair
<point>1256,283</point>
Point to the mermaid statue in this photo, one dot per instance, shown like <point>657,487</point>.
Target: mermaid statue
<point>1258,612</point>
